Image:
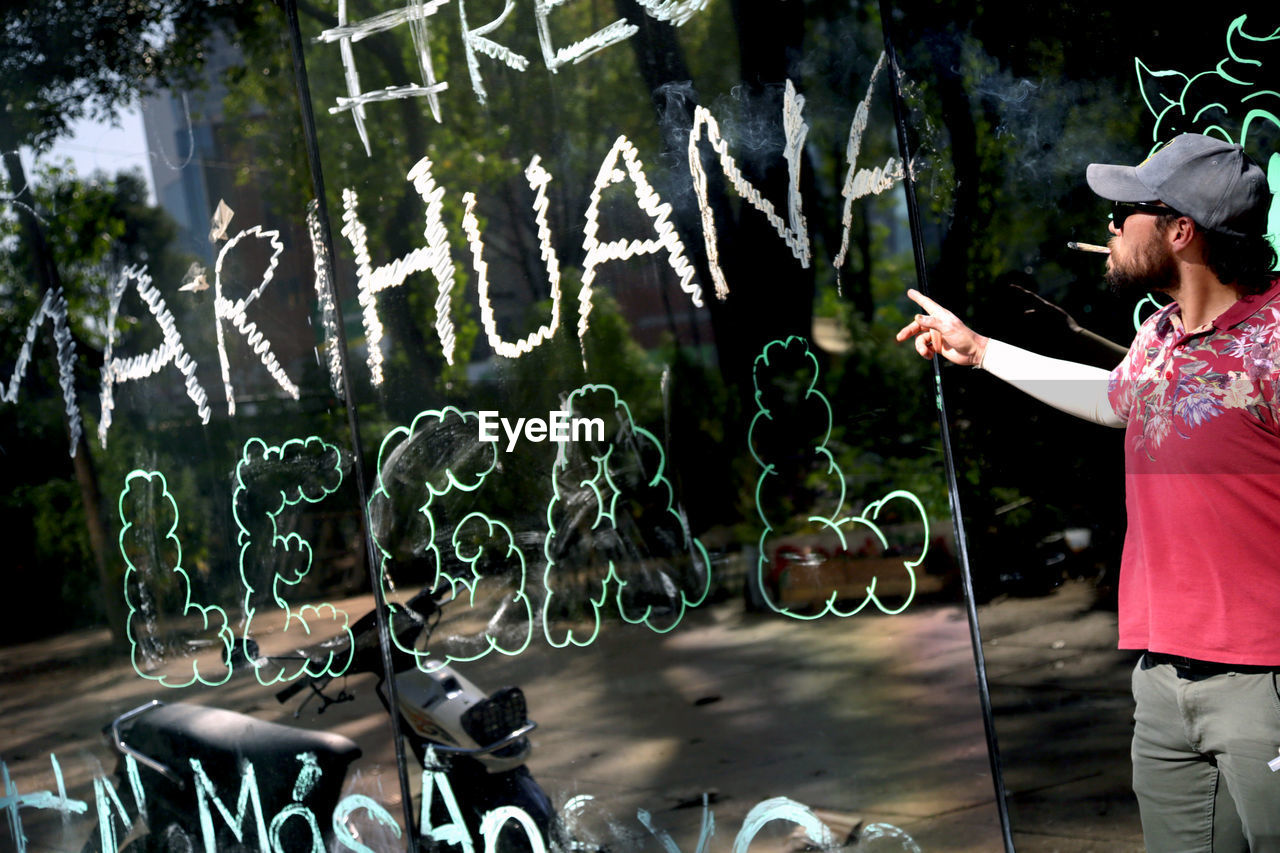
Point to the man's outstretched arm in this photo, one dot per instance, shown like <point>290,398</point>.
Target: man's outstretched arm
<point>1077,389</point>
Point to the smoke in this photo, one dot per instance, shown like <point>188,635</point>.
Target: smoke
<point>1015,94</point>
<point>674,181</point>
<point>749,120</point>
<point>1047,127</point>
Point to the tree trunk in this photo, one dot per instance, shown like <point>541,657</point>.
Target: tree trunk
<point>46,271</point>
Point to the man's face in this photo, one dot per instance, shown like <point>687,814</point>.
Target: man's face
<point>1140,260</point>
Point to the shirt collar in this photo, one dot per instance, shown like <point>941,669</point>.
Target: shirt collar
<point>1244,308</point>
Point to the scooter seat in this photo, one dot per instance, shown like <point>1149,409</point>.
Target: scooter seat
<point>174,734</point>
<point>211,753</point>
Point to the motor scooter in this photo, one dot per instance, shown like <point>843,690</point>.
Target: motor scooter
<point>178,765</point>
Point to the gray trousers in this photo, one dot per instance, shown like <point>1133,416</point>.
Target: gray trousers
<point>1201,747</point>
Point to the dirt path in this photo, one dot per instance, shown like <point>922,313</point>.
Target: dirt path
<point>869,719</point>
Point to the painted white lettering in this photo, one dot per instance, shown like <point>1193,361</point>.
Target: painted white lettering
<point>54,309</point>
<point>225,309</point>
<point>488,425</point>
<point>437,255</point>
<point>782,808</point>
<point>513,434</point>
<point>434,781</point>
<point>619,30</point>
<point>350,804</point>
<point>862,182</point>
<point>249,795</point>
<point>676,12</point>
<point>105,798</point>
<point>795,232</point>
<point>475,42</point>
<point>892,837</point>
<point>135,785</point>
<point>414,14</point>
<point>454,832</point>
<point>707,829</point>
<point>309,774</point>
<point>538,178</point>
<point>494,821</point>
<point>648,200</point>
<point>117,371</point>
<point>13,802</point>
<point>322,266</point>
<point>434,256</point>
<point>295,810</point>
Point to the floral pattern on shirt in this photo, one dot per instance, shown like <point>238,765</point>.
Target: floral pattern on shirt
<point>1172,390</point>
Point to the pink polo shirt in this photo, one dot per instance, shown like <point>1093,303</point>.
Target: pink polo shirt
<point>1200,574</point>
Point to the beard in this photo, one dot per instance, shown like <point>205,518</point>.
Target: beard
<point>1152,269</point>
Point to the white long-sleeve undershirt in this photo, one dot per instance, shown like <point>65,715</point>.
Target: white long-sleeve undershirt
<point>1077,389</point>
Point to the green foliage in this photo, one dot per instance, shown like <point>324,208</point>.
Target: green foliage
<point>61,61</point>
<point>94,226</point>
<point>52,561</point>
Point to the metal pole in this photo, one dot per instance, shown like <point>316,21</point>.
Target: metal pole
<point>353,421</point>
<point>953,490</point>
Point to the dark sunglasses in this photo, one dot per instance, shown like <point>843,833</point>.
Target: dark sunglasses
<point>1122,210</point>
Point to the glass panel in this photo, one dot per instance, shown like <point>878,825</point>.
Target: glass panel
<point>736,583</point>
<point>1012,106</point>
<point>182,488</point>
<point>581,358</point>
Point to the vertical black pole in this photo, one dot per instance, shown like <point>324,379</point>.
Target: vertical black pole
<point>953,490</point>
<point>353,420</point>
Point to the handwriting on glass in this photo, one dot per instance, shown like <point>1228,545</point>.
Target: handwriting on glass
<point>622,163</point>
<point>440,818</point>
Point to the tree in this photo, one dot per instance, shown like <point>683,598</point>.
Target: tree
<point>62,61</point>
<point>102,224</point>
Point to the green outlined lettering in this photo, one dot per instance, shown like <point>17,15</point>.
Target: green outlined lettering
<point>593,487</point>
<point>145,506</point>
<point>1233,94</point>
<point>268,480</point>
<point>791,361</point>
<point>439,455</point>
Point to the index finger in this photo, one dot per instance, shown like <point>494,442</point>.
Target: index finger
<point>932,308</point>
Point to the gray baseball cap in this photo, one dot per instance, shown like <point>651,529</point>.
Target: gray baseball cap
<point>1213,182</point>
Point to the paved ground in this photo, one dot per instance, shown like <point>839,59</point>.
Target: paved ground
<point>1064,714</point>
<point>869,720</point>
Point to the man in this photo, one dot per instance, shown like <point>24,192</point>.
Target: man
<point>1199,397</point>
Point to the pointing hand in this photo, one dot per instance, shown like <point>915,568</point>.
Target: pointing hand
<point>939,332</point>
